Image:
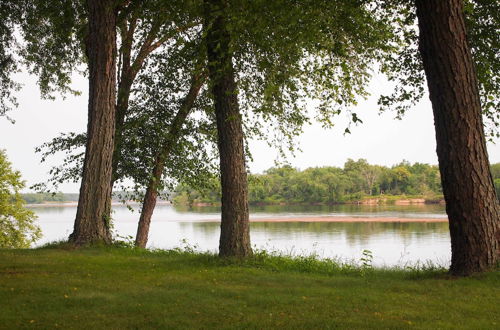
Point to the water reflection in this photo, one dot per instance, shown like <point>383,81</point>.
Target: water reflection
<point>390,242</point>
<point>353,210</point>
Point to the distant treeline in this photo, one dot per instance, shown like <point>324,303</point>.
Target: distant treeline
<point>495,171</point>
<point>39,198</point>
<point>358,180</point>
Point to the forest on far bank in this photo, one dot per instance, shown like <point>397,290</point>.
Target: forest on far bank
<point>356,181</point>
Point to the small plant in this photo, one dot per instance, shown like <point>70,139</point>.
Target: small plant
<point>108,220</point>
<point>366,261</point>
<point>124,241</point>
<point>187,247</point>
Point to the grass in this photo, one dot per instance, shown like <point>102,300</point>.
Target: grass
<point>122,288</point>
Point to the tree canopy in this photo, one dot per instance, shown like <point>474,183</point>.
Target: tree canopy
<point>405,70</point>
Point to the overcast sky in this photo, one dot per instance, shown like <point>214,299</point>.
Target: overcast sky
<point>380,139</point>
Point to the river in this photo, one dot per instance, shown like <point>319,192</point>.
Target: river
<point>392,242</point>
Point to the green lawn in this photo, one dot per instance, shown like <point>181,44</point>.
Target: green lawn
<point>118,288</point>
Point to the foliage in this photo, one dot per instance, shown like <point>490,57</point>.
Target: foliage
<point>288,53</point>
<point>495,171</point>
<point>157,46</point>
<point>366,259</point>
<point>278,70</point>
<point>404,66</point>
<point>17,227</point>
<point>285,54</point>
<point>46,37</point>
<point>38,198</point>
<point>54,34</point>
<point>328,185</point>
<point>483,24</point>
<point>157,100</point>
<point>9,14</point>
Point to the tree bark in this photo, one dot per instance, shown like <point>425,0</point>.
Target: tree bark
<point>92,219</point>
<point>122,104</point>
<point>149,202</point>
<point>471,203</point>
<point>127,77</point>
<point>235,233</point>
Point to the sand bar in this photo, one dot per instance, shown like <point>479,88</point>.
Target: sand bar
<point>346,219</point>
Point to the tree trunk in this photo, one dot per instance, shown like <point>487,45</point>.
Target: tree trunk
<point>126,79</point>
<point>92,220</point>
<point>149,201</point>
<point>471,203</point>
<point>149,204</point>
<point>122,105</point>
<point>235,233</point>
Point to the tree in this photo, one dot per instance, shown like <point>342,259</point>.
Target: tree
<point>92,221</point>
<point>143,29</point>
<point>17,227</point>
<point>274,66</point>
<point>172,138</point>
<point>235,228</point>
<point>471,203</point>
<point>365,174</point>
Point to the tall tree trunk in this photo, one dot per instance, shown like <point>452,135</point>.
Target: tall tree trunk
<point>92,220</point>
<point>471,203</point>
<point>122,105</point>
<point>149,202</point>
<point>126,79</point>
<point>235,233</point>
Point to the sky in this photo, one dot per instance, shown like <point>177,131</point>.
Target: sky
<point>380,139</point>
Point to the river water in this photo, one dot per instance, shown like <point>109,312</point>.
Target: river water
<point>391,243</point>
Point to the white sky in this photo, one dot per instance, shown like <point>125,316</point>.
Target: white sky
<point>380,139</point>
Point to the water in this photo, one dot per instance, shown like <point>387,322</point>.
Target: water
<point>391,243</point>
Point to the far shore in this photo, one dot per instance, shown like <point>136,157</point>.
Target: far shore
<point>366,202</point>
<point>63,204</point>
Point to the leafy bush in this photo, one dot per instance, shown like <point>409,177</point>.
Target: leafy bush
<point>17,227</point>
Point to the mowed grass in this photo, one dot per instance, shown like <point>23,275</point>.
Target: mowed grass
<point>120,288</point>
